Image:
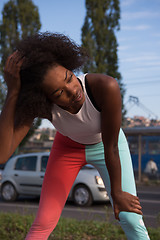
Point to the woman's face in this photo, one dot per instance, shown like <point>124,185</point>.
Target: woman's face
<point>63,88</point>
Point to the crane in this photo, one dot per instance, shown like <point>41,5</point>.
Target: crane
<point>135,101</point>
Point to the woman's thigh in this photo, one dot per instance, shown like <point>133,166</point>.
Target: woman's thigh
<point>95,156</point>
<point>66,159</point>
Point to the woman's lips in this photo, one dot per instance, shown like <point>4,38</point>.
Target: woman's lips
<point>79,96</point>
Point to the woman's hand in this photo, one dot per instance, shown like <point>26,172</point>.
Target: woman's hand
<point>12,72</point>
<point>127,202</point>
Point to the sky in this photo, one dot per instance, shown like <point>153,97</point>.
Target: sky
<point>138,50</point>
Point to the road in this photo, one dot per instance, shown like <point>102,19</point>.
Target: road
<point>149,198</point>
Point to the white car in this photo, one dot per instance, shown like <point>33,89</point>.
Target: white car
<point>23,175</point>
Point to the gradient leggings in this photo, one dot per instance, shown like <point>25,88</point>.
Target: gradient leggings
<point>66,159</point>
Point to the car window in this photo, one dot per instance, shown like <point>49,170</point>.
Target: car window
<point>26,163</point>
<point>2,166</point>
<point>44,160</point>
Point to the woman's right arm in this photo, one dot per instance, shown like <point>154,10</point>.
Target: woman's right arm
<point>9,136</point>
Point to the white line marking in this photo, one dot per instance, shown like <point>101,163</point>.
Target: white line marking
<point>148,192</point>
<point>149,201</point>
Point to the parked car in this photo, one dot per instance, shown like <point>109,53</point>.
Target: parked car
<point>23,175</point>
<point>1,170</point>
<point>1,174</point>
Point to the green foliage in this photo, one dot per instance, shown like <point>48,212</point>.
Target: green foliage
<point>36,124</point>
<point>44,137</point>
<point>20,18</point>
<point>98,37</point>
<point>73,229</point>
<point>15,227</point>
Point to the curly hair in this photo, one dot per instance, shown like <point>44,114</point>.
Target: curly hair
<point>42,51</point>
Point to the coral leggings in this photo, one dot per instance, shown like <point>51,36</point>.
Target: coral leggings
<point>66,159</point>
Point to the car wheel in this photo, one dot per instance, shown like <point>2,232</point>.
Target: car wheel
<point>8,192</point>
<point>82,196</point>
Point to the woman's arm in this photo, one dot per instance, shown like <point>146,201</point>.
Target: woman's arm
<point>108,98</point>
<point>9,136</point>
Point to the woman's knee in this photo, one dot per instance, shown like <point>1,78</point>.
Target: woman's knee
<point>133,225</point>
<point>131,219</point>
<point>46,220</point>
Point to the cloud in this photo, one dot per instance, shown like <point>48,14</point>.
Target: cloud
<point>153,64</point>
<point>144,69</point>
<point>123,48</point>
<point>142,63</point>
<point>125,3</point>
<point>139,15</point>
<point>142,27</point>
<point>156,34</point>
<point>143,58</point>
<point>126,38</point>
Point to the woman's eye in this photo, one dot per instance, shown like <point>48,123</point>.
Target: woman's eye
<point>70,78</point>
<point>59,94</point>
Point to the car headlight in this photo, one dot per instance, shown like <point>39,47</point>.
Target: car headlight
<point>99,180</point>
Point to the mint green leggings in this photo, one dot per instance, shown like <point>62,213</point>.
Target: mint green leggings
<point>131,223</point>
<point>66,159</point>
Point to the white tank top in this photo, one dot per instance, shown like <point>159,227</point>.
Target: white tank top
<point>83,127</point>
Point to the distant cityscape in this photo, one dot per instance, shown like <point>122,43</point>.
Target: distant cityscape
<point>42,139</point>
<point>140,121</point>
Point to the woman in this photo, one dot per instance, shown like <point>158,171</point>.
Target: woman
<point>86,111</point>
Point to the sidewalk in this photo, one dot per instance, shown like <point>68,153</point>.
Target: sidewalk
<point>148,187</point>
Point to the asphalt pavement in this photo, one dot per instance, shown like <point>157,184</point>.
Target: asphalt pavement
<point>149,198</point>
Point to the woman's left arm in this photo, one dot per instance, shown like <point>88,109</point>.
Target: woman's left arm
<point>108,98</point>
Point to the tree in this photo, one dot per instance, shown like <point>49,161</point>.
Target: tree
<point>98,37</point>
<point>20,18</point>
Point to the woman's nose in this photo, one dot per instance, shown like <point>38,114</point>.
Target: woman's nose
<point>70,90</point>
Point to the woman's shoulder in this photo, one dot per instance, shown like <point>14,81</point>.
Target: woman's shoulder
<point>101,81</point>
<point>103,87</point>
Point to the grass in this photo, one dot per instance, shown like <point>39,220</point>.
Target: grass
<point>15,227</point>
